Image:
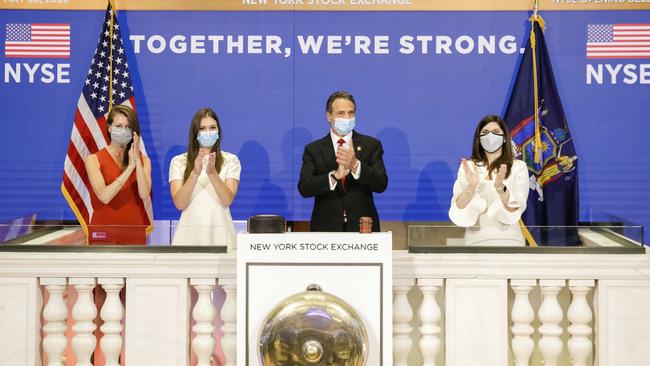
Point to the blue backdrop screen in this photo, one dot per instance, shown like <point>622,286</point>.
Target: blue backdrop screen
<point>422,80</point>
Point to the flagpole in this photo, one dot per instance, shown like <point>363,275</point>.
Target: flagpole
<point>529,238</point>
<point>538,141</point>
<point>110,71</point>
<point>533,46</point>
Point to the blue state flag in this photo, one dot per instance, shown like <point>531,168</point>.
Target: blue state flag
<point>540,130</point>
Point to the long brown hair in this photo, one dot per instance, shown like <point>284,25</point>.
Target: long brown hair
<point>193,145</point>
<point>133,125</point>
<point>479,156</point>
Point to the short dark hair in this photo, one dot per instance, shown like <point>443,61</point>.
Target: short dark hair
<point>341,94</point>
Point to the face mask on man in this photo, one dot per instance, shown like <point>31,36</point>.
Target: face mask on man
<point>344,125</point>
<point>491,142</point>
<point>207,139</point>
<point>121,136</point>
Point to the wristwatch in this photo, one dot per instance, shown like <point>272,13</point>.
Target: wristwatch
<point>505,188</point>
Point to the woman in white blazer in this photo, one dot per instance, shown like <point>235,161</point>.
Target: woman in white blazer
<point>491,189</point>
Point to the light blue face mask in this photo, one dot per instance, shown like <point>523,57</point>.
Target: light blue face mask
<point>207,139</point>
<point>344,125</point>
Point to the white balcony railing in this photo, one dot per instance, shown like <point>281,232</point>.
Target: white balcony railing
<point>513,308</point>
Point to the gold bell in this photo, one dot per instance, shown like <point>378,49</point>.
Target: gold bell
<point>313,328</point>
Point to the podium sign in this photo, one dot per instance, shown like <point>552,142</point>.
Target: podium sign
<point>357,268</point>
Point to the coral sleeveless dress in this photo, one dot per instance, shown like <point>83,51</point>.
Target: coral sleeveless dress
<point>124,220</point>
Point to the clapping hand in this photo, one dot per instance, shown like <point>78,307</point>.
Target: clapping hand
<point>134,152</point>
<point>136,141</point>
<point>198,163</point>
<point>341,172</point>
<point>470,174</point>
<point>346,157</point>
<point>209,168</point>
<point>501,176</point>
<point>132,157</point>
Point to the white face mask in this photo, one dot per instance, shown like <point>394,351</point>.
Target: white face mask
<point>121,136</point>
<point>492,142</point>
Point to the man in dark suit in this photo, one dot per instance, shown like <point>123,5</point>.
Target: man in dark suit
<point>342,170</point>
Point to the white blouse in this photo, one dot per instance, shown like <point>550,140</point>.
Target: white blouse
<point>206,220</point>
<point>486,219</point>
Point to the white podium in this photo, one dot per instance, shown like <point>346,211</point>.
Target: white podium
<point>354,267</point>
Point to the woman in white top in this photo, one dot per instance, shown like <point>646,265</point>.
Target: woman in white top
<point>491,190</point>
<point>203,184</point>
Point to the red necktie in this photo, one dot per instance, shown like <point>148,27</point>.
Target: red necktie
<point>341,142</point>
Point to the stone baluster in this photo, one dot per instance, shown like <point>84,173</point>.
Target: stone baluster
<point>579,314</point>
<point>550,314</point>
<point>204,314</point>
<point>112,313</point>
<point>522,316</point>
<point>55,313</point>
<point>430,315</point>
<point>402,315</point>
<point>229,317</point>
<point>84,313</point>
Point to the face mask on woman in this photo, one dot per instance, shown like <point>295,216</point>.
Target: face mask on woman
<point>344,125</point>
<point>207,139</point>
<point>121,136</point>
<point>491,142</point>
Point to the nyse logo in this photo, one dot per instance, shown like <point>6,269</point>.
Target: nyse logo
<point>618,74</point>
<point>618,41</point>
<point>37,40</point>
<point>45,73</point>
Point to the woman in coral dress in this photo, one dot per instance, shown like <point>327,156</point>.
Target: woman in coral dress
<point>120,177</point>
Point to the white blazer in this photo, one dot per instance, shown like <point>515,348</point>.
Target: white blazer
<point>487,221</point>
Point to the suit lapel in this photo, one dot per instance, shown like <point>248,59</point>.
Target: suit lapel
<point>357,142</point>
<point>327,150</point>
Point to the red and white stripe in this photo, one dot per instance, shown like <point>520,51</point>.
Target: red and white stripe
<point>47,41</point>
<point>629,41</point>
<point>631,32</point>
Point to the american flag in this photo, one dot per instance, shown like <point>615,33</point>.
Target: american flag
<point>89,133</point>
<point>37,40</point>
<point>618,40</point>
